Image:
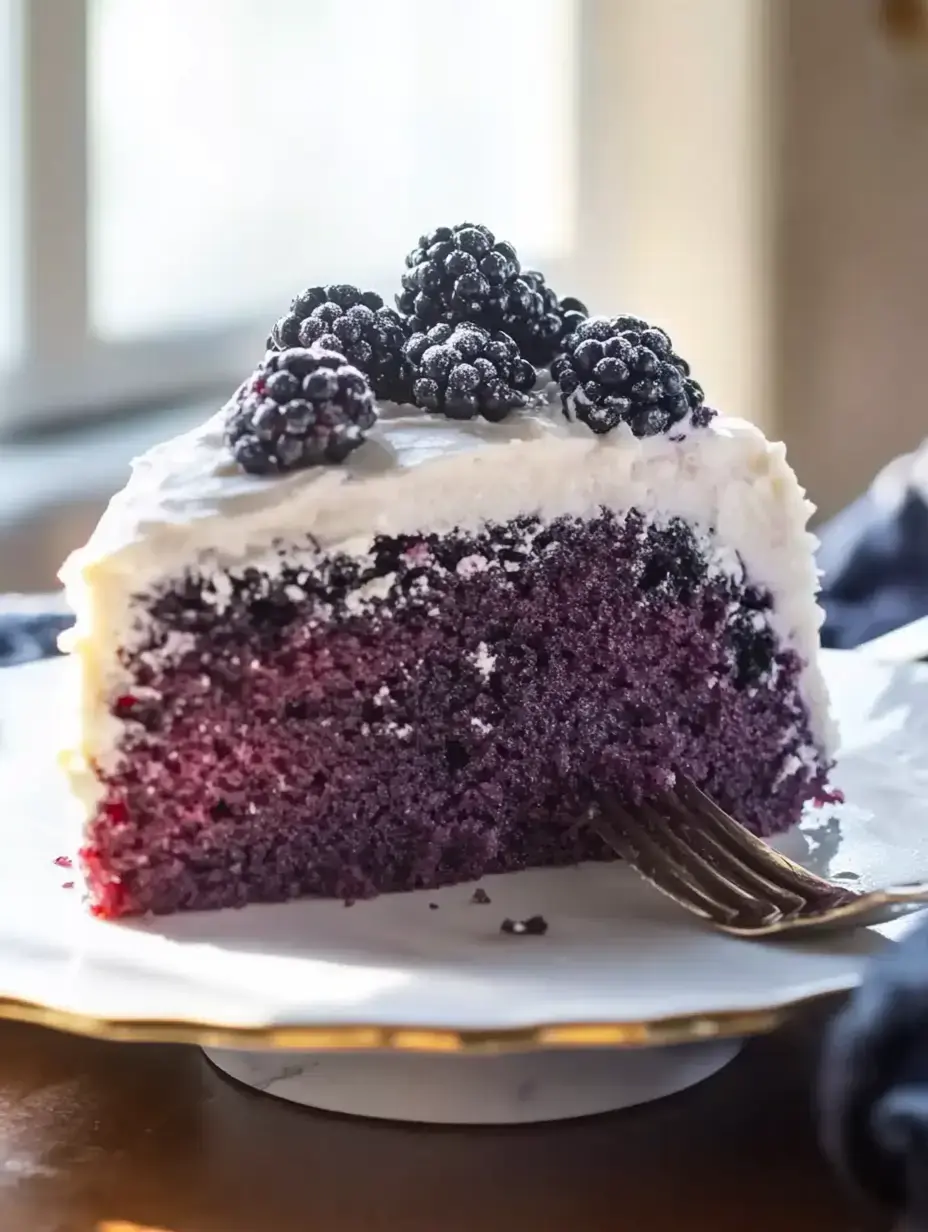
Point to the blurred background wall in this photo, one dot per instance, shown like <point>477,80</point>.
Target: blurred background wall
<point>752,174</point>
<point>851,281</point>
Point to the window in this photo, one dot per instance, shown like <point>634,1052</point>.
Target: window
<point>172,171</point>
<point>249,155</point>
<point>187,165</point>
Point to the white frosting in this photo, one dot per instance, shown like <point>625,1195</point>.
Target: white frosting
<point>187,506</point>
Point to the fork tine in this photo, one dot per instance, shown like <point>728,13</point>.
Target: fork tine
<point>660,855</point>
<point>708,873</point>
<point>649,864</point>
<point>691,850</point>
<point>717,850</point>
<point>622,831</point>
<point>756,855</point>
<point>714,871</point>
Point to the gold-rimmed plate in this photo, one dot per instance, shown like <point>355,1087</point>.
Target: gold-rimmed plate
<point>431,971</point>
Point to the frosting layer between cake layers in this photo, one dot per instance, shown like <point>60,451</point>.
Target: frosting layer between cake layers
<point>187,508</point>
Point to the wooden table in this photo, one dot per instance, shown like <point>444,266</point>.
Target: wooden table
<point>92,1132</point>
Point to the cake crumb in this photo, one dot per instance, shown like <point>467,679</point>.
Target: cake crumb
<point>433,906</point>
<point>67,885</point>
<point>480,896</point>
<point>534,926</point>
<point>64,861</point>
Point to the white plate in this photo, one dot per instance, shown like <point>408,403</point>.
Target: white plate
<point>619,965</point>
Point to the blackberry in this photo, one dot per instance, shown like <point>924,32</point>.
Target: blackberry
<point>622,370</point>
<point>456,274</point>
<point>465,370</point>
<point>357,325</point>
<point>539,321</point>
<point>753,646</point>
<point>753,653</point>
<point>301,407</point>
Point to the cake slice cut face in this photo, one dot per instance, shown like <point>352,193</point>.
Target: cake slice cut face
<point>422,665</point>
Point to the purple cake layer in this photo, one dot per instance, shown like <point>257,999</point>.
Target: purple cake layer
<point>458,723</point>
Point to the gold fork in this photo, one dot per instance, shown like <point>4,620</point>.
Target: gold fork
<point>692,851</point>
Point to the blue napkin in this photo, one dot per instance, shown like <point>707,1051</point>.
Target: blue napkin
<point>874,1078</point>
<point>32,635</point>
<point>874,1083</point>
<point>874,556</point>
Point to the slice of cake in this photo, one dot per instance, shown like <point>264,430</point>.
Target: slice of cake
<point>332,652</point>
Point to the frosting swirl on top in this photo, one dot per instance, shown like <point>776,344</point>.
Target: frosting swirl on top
<point>194,478</point>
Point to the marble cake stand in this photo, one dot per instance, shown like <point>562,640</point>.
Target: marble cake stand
<point>510,1088</point>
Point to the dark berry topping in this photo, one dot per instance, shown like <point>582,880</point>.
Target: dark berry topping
<point>615,370</point>
<point>458,274</point>
<point>539,321</point>
<point>357,325</point>
<point>301,407</point>
<point>464,370</point>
